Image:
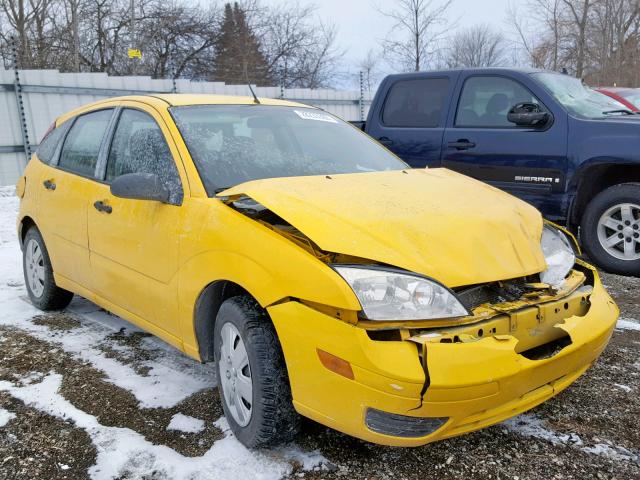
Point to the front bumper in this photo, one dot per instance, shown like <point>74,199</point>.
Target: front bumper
<point>472,384</point>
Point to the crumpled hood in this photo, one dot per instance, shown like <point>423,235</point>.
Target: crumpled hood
<point>433,221</point>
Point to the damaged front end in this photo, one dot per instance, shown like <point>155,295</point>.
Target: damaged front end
<point>423,380</point>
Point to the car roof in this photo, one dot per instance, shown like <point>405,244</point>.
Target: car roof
<point>166,100</point>
<point>523,70</point>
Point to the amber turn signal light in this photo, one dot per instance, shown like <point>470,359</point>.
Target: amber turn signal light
<point>335,364</point>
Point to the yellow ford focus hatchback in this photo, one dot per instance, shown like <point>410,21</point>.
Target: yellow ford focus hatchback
<point>322,275</point>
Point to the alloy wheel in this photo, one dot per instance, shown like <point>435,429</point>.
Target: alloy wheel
<point>34,264</point>
<point>235,375</point>
<point>619,231</point>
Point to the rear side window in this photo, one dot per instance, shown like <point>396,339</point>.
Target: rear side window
<point>486,101</point>
<point>139,146</point>
<point>82,145</point>
<point>47,148</point>
<point>416,103</point>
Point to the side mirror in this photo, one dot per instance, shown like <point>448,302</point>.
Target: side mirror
<point>140,186</point>
<point>528,115</point>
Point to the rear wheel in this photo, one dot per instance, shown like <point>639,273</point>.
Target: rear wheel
<point>611,229</point>
<point>38,274</point>
<point>252,376</point>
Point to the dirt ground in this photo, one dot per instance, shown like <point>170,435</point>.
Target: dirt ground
<point>592,430</point>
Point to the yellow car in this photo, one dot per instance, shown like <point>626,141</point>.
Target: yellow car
<point>322,275</point>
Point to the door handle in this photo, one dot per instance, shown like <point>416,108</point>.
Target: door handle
<point>102,207</point>
<point>461,144</point>
<point>49,185</point>
<point>385,141</point>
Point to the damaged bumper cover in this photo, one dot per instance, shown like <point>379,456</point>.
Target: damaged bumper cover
<point>460,386</point>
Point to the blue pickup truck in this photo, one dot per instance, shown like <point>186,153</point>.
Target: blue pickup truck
<point>543,136</point>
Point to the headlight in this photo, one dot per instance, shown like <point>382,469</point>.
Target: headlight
<point>558,253</point>
<point>391,295</point>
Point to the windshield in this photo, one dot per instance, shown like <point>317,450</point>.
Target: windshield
<point>579,99</point>
<point>632,96</point>
<point>232,144</point>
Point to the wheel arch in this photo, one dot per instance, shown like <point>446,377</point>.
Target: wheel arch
<point>594,178</point>
<point>206,309</point>
<point>23,227</point>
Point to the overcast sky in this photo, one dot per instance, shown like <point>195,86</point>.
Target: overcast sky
<point>360,25</point>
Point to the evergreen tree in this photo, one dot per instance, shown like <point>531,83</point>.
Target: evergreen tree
<point>238,52</point>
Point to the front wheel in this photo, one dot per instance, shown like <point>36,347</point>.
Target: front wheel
<point>611,229</point>
<point>252,376</point>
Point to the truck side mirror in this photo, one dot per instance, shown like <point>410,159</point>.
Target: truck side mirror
<point>527,114</point>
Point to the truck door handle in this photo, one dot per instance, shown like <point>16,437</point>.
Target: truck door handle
<point>102,207</point>
<point>385,141</point>
<point>461,144</point>
<point>49,185</point>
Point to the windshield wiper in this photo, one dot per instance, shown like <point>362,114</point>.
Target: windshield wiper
<point>622,110</point>
<point>220,189</point>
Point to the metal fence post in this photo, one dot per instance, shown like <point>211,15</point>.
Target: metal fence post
<point>17,88</point>
<point>361,100</point>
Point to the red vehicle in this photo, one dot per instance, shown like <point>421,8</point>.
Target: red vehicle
<point>629,97</point>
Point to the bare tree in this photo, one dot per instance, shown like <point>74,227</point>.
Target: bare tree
<point>478,46</point>
<point>369,68</point>
<point>419,25</point>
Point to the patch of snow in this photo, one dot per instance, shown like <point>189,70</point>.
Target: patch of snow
<point>530,425</point>
<point>6,416</point>
<point>121,452</point>
<point>628,324</point>
<point>626,388</point>
<point>185,423</point>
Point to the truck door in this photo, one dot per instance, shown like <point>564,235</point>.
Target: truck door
<point>410,119</point>
<point>480,142</point>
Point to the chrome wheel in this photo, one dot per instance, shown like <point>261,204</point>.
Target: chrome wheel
<point>619,231</point>
<point>235,375</point>
<point>34,267</point>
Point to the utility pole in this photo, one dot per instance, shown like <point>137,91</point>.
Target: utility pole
<point>132,34</point>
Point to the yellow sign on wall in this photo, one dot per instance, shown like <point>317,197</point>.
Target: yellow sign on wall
<point>134,53</point>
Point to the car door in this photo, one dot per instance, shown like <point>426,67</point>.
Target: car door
<point>64,183</point>
<point>410,121</point>
<point>480,142</point>
<point>134,243</point>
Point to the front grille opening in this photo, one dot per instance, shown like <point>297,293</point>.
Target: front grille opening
<point>385,335</point>
<point>547,350</point>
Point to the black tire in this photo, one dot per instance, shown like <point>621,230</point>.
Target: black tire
<point>616,195</point>
<point>273,418</point>
<point>52,297</point>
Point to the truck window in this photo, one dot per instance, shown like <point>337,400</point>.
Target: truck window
<point>415,103</point>
<point>485,102</point>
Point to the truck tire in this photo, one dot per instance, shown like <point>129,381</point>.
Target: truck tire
<point>611,229</point>
<point>252,376</point>
<point>38,274</point>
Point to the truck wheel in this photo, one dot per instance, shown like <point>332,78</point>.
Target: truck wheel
<point>611,229</point>
<point>252,376</point>
<point>38,274</point>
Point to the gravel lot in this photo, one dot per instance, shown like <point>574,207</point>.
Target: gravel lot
<point>84,394</point>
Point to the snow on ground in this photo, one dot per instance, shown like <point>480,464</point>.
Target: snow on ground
<point>529,425</point>
<point>185,423</point>
<point>5,417</point>
<point>628,324</point>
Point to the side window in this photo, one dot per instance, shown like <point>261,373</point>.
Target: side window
<point>485,101</point>
<point>82,145</point>
<point>47,148</point>
<point>139,146</point>
<point>415,103</point>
